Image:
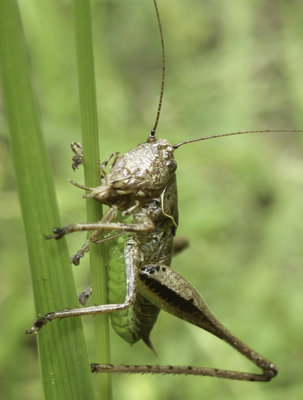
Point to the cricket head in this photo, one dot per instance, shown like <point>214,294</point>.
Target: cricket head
<point>144,170</point>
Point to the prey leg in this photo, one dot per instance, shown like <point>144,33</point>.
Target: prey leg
<point>168,290</point>
<point>132,261</point>
<point>78,157</point>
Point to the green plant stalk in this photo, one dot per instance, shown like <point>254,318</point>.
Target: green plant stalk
<point>63,355</point>
<point>89,127</point>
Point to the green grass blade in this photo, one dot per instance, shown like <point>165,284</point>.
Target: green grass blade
<point>62,351</point>
<point>89,125</point>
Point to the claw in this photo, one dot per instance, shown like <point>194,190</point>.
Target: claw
<point>84,296</point>
<point>39,324</point>
<point>75,259</point>
<point>58,233</point>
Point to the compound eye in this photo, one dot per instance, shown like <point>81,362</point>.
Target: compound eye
<point>171,164</point>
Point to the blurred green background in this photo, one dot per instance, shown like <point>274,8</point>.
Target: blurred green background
<point>230,67</point>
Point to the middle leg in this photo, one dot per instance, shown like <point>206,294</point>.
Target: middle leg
<point>132,261</point>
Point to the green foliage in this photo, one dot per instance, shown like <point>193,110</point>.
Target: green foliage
<point>89,128</point>
<point>230,66</point>
<point>63,355</point>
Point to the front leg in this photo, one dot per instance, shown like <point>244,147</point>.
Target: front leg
<point>143,224</point>
<point>168,290</point>
<point>132,261</point>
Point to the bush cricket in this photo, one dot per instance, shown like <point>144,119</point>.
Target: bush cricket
<point>139,187</point>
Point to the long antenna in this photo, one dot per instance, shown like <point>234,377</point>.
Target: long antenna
<point>153,131</point>
<point>176,146</point>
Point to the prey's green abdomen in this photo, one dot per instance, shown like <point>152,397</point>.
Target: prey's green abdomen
<point>137,321</point>
<point>122,321</point>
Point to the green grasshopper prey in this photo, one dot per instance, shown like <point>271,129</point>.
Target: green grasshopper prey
<point>139,187</point>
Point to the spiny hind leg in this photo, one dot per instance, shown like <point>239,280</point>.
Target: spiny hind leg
<point>167,289</point>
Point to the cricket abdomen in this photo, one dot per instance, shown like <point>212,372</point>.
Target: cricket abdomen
<point>137,321</point>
